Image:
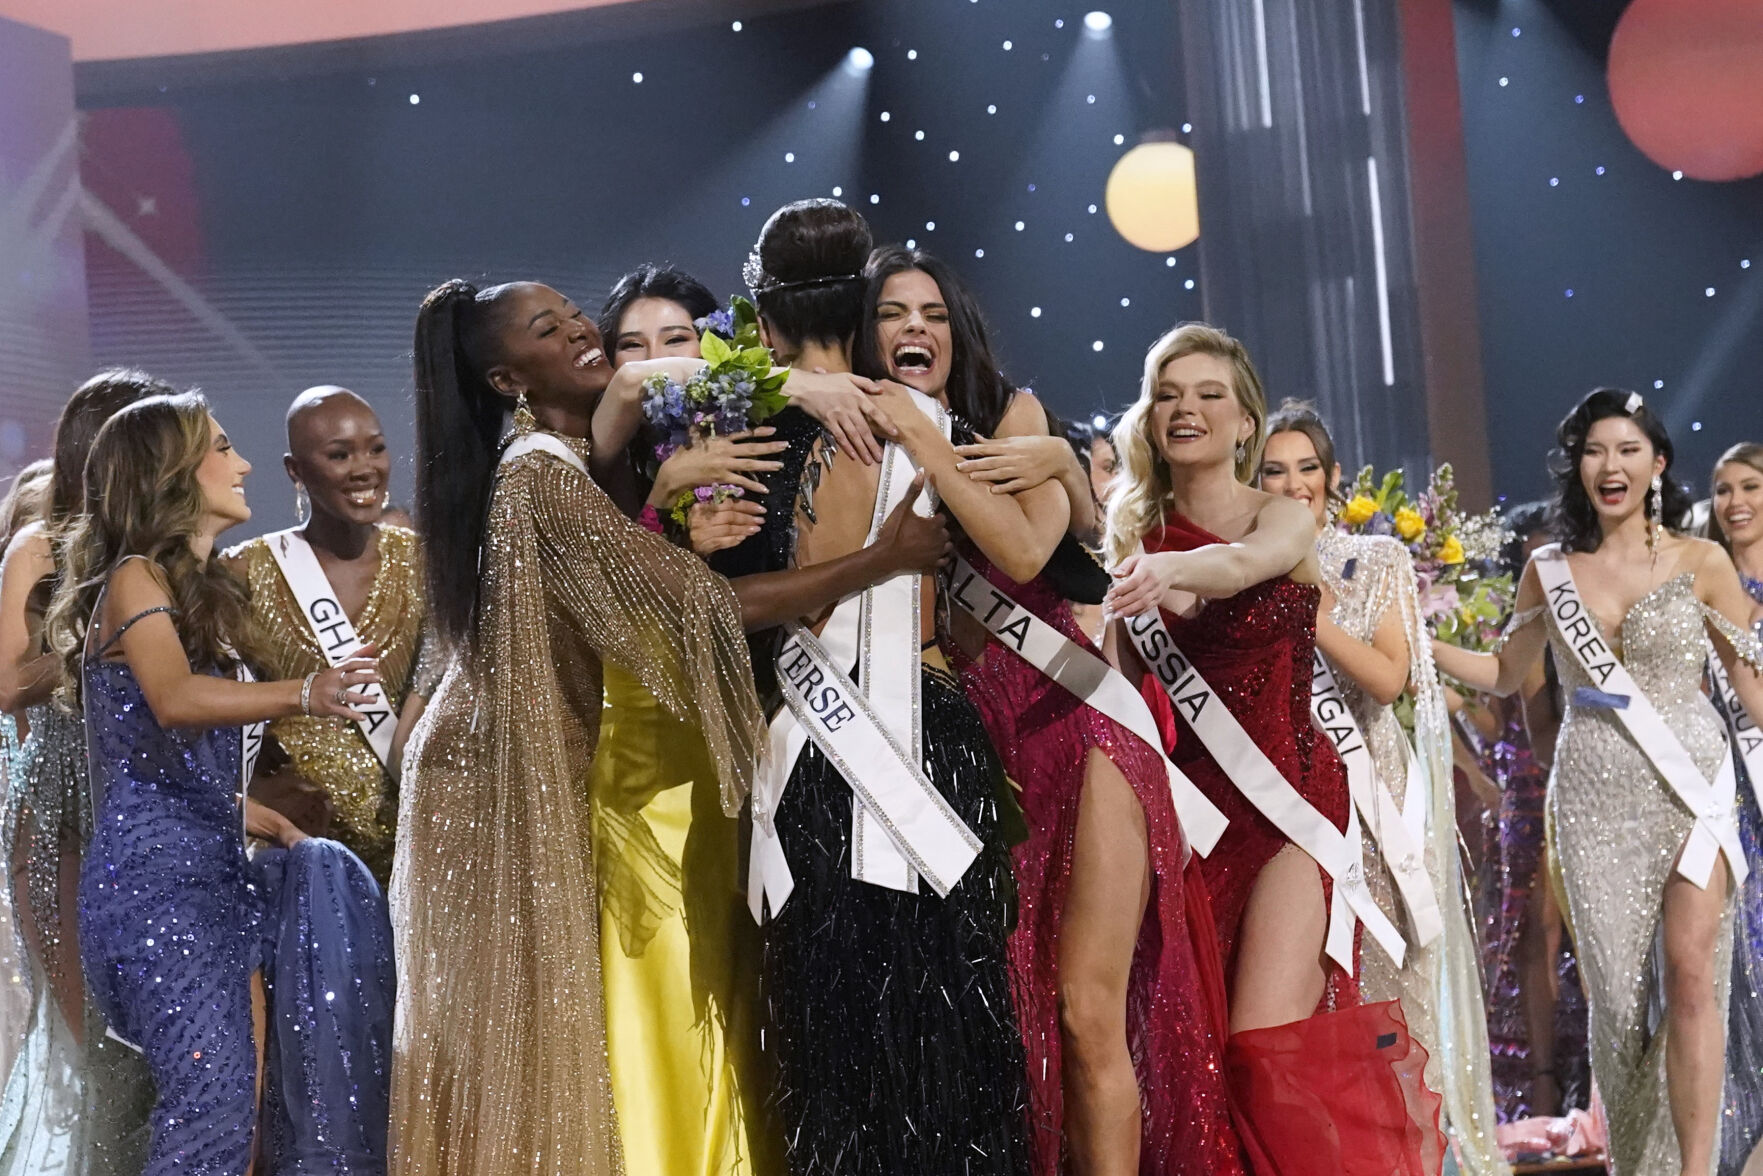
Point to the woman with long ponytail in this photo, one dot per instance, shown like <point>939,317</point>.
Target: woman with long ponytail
<point>534,578</point>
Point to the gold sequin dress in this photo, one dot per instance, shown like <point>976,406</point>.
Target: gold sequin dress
<point>1439,985</point>
<point>500,1063</point>
<point>332,753</point>
<point>1618,829</point>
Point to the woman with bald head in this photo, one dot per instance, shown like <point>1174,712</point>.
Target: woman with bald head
<point>319,591</point>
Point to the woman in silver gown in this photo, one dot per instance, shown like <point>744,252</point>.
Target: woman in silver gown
<point>76,1099</point>
<point>1646,932</point>
<point>1375,642</point>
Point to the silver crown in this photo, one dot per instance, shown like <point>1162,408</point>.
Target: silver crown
<point>1634,403</point>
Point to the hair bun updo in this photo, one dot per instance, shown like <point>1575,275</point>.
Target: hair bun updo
<point>806,271</point>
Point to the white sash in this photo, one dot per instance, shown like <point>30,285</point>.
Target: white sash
<point>534,442</point>
<point>1339,854</point>
<point>1394,832</point>
<point>1741,733</point>
<point>1716,828</point>
<point>902,827</point>
<point>1095,683</point>
<point>332,630</point>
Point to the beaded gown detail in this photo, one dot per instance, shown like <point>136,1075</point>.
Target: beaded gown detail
<point>170,921</point>
<point>500,1060</point>
<point>1604,793</point>
<point>328,962</point>
<point>1342,1091</point>
<point>1176,1019</point>
<point>71,1108</point>
<point>889,1013</point>
<point>1439,984</point>
<point>1741,1112</point>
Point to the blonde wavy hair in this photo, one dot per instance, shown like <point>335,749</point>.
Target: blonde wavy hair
<point>142,498</point>
<point>1744,453</point>
<point>1141,493</point>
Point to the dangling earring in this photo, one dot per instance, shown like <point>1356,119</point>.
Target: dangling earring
<point>386,500</point>
<point>302,504</point>
<point>1242,452</point>
<point>524,420</point>
<point>1655,514</point>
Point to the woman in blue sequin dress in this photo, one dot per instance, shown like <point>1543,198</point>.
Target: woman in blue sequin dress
<point>1737,522</point>
<point>169,914</point>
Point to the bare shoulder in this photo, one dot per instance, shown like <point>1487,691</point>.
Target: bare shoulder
<point>1276,511</point>
<point>1024,418</point>
<point>31,552</point>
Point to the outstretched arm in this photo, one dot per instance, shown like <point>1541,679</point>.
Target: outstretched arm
<point>1282,538</point>
<point>1503,672</point>
<point>1729,608</point>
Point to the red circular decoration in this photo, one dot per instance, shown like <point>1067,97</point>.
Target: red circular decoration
<point>1686,78</point>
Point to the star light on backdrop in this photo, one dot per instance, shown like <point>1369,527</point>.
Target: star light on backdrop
<point>914,111</point>
<point>1600,259</point>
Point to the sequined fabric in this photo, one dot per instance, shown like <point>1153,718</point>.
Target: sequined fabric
<point>1254,649</point>
<point>1439,984</point>
<point>1618,830</point>
<point>71,1106</point>
<point>500,1044</point>
<point>169,922</point>
<point>1515,870</point>
<point>1357,1068</point>
<point>327,962</point>
<point>889,1014</point>
<point>1175,1013</point>
<point>1741,1112</point>
<point>332,753</point>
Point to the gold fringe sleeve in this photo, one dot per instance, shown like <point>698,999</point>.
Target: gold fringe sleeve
<point>500,1065</point>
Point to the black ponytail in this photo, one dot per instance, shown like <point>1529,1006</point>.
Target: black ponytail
<point>458,428</point>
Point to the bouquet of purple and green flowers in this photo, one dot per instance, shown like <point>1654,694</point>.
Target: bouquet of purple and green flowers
<point>736,390</point>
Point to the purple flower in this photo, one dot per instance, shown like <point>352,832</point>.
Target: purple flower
<point>721,321</point>
<point>1380,524</point>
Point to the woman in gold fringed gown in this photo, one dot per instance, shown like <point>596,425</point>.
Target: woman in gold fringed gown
<point>500,1062</point>
<point>1377,644</point>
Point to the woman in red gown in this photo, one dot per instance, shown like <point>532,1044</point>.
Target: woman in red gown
<point>1319,1083</point>
<point>1123,1024</point>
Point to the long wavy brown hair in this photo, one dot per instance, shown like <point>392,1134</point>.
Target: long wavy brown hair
<point>142,498</point>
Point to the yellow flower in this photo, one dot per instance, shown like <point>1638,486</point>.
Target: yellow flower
<point>1409,525</point>
<point>1358,512</point>
<point>1451,552</point>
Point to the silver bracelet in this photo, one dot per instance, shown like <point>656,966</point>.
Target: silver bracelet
<point>306,693</point>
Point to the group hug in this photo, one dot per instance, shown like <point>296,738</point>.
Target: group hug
<point>774,743</point>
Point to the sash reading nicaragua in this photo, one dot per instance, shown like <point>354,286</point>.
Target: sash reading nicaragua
<point>1255,776</point>
<point>1741,732</point>
<point>1400,835</point>
<point>902,827</point>
<point>1092,680</point>
<point>1716,828</point>
<point>330,627</point>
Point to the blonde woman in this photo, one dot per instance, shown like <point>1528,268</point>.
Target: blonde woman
<point>1218,611</point>
<point>1376,647</point>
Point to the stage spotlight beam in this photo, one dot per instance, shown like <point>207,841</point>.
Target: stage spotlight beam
<point>1098,22</point>
<point>860,59</point>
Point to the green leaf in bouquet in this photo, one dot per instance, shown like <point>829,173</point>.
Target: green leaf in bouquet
<point>714,350</point>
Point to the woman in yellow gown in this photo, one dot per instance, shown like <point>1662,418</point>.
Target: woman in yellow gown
<point>678,950</point>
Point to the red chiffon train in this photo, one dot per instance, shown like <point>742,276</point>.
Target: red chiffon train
<point>1176,1019</point>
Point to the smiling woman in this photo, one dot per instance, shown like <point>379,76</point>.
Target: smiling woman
<point>534,577</point>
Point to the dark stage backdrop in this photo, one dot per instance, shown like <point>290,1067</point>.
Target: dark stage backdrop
<point>263,221</point>
<point>1594,266</point>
